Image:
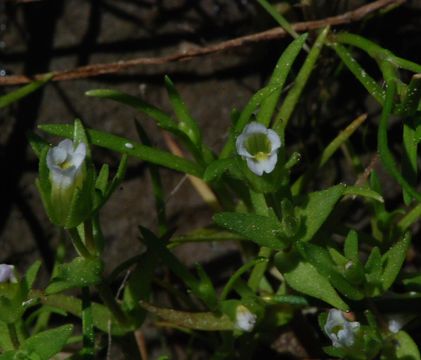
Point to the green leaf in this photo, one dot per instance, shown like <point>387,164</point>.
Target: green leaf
<point>361,75</point>
<point>102,179</point>
<point>205,321</point>
<point>32,273</point>
<point>393,260</point>
<point>23,91</point>
<point>278,78</point>
<point>48,343</point>
<point>314,209</point>
<point>406,348</point>
<point>218,167</point>
<point>262,230</point>
<point>186,122</point>
<point>300,82</point>
<point>80,136</point>
<point>323,263</point>
<point>373,270</point>
<point>161,118</point>
<point>306,279</point>
<point>78,273</point>
<point>382,141</point>
<point>38,144</point>
<point>102,317</point>
<point>125,146</point>
<point>351,246</point>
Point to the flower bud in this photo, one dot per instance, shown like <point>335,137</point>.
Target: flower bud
<point>7,273</point>
<point>67,180</point>
<point>341,331</point>
<point>244,319</point>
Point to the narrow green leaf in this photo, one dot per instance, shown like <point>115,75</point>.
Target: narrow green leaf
<point>102,179</point>
<point>382,142</point>
<point>306,279</point>
<point>38,144</point>
<point>204,321</point>
<point>131,148</point>
<point>20,93</point>
<point>161,118</point>
<point>361,75</point>
<point>409,166</point>
<point>301,79</point>
<point>31,273</point>
<point>262,230</point>
<point>278,79</point>
<point>412,97</point>
<point>186,122</point>
<point>364,192</point>
<point>393,260</point>
<point>217,168</point>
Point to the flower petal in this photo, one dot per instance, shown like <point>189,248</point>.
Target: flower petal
<point>274,140</point>
<point>241,149</point>
<point>253,128</point>
<point>66,145</point>
<point>255,166</point>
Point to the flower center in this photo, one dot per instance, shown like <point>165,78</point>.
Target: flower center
<point>259,146</point>
<point>65,164</point>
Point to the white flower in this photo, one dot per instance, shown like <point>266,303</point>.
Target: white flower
<point>7,273</point>
<point>65,163</point>
<point>259,147</point>
<point>244,319</point>
<point>340,330</point>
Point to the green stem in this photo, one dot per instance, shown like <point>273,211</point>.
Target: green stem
<point>78,243</point>
<point>89,236</point>
<point>13,335</point>
<point>230,284</point>
<point>260,207</point>
<point>88,350</point>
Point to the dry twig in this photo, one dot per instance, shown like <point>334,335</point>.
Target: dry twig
<point>276,33</point>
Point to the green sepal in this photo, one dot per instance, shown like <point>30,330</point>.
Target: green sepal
<point>78,273</point>
<point>263,230</point>
<point>405,347</point>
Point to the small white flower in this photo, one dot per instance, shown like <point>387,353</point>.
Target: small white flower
<point>7,273</point>
<point>340,330</point>
<point>259,147</point>
<point>244,319</point>
<point>65,163</point>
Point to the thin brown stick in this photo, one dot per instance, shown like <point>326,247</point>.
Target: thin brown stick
<point>276,33</point>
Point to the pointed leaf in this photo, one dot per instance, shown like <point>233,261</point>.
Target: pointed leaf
<point>262,230</point>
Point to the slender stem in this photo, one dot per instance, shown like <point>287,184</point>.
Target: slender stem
<point>78,244</point>
<point>88,351</point>
<point>13,335</point>
<point>260,207</point>
<point>89,236</point>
